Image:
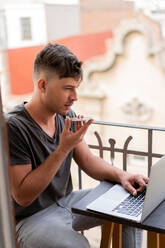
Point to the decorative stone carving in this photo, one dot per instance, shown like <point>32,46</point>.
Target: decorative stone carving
<point>116,47</point>
<point>140,25</point>
<point>136,111</point>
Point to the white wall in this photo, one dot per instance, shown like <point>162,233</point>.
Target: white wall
<point>2,30</point>
<point>48,21</point>
<point>37,14</point>
<point>62,20</point>
<point>67,2</point>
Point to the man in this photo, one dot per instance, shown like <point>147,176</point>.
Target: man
<point>42,142</point>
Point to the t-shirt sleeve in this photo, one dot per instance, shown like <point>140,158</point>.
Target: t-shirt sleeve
<point>18,146</point>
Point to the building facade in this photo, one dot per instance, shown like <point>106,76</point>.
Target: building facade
<point>30,24</point>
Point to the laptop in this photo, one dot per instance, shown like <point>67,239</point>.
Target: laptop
<point>118,202</point>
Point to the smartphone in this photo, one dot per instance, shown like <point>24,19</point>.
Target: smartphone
<point>81,119</point>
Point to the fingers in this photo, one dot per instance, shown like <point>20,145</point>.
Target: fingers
<point>70,139</point>
<point>135,183</point>
<point>128,186</point>
<point>141,181</point>
<point>146,179</point>
<point>79,123</point>
<point>83,125</point>
<point>142,184</point>
<point>84,128</point>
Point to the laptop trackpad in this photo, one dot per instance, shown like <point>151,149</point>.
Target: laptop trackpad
<point>109,199</point>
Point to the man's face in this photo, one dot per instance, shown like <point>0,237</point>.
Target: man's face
<point>60,94</point>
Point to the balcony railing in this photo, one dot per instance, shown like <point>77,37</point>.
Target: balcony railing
<point>124,150</point>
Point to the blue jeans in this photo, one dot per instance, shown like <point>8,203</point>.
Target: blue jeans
<point>56,227</point>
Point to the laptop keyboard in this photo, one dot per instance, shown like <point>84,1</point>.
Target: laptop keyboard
<point>132,205</point>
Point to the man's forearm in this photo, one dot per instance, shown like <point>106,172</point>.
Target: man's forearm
<point>37,180</point>
<point>100,170</point>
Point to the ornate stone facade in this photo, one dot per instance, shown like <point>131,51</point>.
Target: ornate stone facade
<point>136,44</point>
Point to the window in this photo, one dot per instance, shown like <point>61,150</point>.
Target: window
<point>26,33</point>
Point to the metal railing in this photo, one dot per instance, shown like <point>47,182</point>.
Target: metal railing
<point>125,151</point>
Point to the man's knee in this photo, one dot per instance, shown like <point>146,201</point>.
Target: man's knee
<point>81,222</point>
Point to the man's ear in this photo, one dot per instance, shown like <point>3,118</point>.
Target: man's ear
<point>42,84</point>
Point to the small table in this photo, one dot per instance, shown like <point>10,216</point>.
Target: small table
<point>112,227</point>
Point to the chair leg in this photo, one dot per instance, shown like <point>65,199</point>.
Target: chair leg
<point>161,240</point>
<point>107,232</point>
<point>117,236</point>
<point>153,240</point>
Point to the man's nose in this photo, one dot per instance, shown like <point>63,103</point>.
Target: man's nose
<point>74,96</point>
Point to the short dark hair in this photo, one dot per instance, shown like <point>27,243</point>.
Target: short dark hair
<point>59,59</point>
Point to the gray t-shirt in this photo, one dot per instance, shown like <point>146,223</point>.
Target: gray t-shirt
<point>29,144</point>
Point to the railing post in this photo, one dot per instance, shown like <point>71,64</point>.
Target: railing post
<point>100,144</point>
<point>125,152</point>
<point>112,143</point>
<point>149,150</point>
